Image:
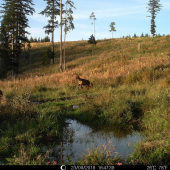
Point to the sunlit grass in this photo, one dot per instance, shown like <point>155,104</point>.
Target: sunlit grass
<point>129,87</point>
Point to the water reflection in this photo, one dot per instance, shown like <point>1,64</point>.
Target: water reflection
<point>77,137</point>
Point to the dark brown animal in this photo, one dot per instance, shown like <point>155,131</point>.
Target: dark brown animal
<point>1,95</point>
<point>169,56</point>
<point>84,82</point>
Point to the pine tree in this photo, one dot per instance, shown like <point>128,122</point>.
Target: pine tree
<point>154,8</point>
<point>42,40</point>
<point>112,28</point>
<point>61,43</point>
<point>134,36</point>
<point>35,39</point>
<point>142,35</point>
<point>68,23</point>
<point>47,39</point>
<point>15,21</point>
<point>92,41</point>
<point>31,39</point>
<point>92,16</point>
<point>5,52</point>
<point>52,10</point>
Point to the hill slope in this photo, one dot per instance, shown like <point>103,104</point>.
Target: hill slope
<point>129,87</point>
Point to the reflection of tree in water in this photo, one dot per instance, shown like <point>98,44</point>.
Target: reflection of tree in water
<point>115,131</point>
<point>77,136</point>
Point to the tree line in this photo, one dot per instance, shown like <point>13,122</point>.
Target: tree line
<point>14,21</point>
<point>142,35</point>
<point>45,39</point>
<point>13,34</point>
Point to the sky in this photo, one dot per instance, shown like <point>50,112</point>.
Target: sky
<point>130,17</point>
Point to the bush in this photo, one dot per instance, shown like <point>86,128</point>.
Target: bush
<point>48,55</point>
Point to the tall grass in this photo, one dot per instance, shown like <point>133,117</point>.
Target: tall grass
<point>155,148</point>
<point>101,155</point>
<point>23,123</point>
<point>129,87</point>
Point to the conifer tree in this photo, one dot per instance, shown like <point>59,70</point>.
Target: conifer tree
<point>153,7</point>
<point>15,21</point>
<point>52,10</point>
<point>112,28</point>
<point>61,43</point>
<point>92,16</point>
<point>92,41</point>
<point>5,55</point>
<point>134,36</point>
<point>68,22</point>
<point>35,39</point>
<point>142,35</point>
<point>31,39</point>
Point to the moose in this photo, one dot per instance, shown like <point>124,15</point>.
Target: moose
<point>84,82</point>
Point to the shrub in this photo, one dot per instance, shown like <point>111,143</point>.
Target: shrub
<point>48,55</point>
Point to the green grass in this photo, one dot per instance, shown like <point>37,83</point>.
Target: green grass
<point>101,155</point>
<point>130,88</point>
<point>23,123</point>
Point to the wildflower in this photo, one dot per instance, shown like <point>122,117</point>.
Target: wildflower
<point>119,163</point>
<point>48,163</point>
<point>38,157</point>
<point>54,162</point>
<point>15,156</point>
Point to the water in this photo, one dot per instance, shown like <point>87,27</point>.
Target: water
<point>78,137</point>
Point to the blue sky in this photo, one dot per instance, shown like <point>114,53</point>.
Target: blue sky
<point>128,15</point>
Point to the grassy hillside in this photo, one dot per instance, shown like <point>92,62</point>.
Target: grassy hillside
<point>130,88</point>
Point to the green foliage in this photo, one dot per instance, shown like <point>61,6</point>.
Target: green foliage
<point>101,155</point>
<point>5,52</point>
<point>20,9</point>
<point>146,35</point>
<point>31,39</point>
<point>92,16</point>
<point>47,39</point>
<point>68,19</point>
<point>92,40</point>
<point>23,125</point>
<point>142,35</point>
<point>154,8</point>
<point>122,98</point>
<point>155,146</point>
<point>112,28</point>
<point>48,55</point>
<point>134,35</point>
<point>51,10</point>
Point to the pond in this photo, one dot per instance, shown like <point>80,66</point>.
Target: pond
<point>77,137</point>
